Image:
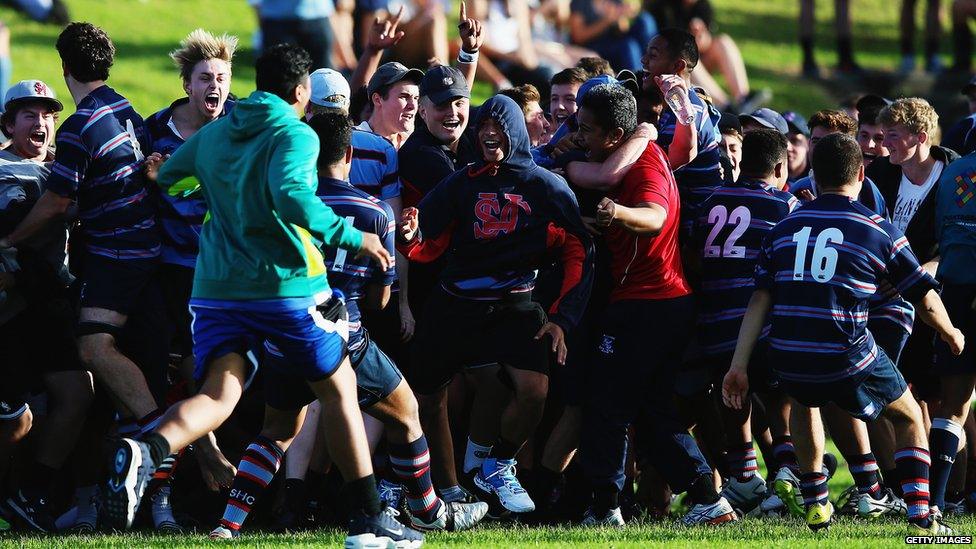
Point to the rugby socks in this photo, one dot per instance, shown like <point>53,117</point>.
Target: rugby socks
<point>411,464</point>
<point>889,480</point>
<point>474,455</point>
<point>85,498</point>
<point>605,499</point>
<point>258,466</point>
<point>452,494</point>
<point>913,465</point>
<point>813,486</point>
<point>360,496</point>
<point>546,483</point>
<point>864,469</point>
<point>784,453</point>
<point>37,479</point>
<point>741,460</point>
<point>944,444</point>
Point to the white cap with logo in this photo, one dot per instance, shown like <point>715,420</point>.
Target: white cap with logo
<point>30,90</point>
<point>329,89</point>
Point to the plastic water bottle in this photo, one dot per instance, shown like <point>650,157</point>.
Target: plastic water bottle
<point>675,100</point>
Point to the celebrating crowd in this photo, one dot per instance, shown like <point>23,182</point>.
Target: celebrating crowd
<point>369,296</point>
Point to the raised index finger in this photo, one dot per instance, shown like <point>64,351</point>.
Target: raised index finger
<point>463,13</point>
<point>396,20</point>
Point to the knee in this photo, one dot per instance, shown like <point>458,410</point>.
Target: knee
<point>92,347</point>
<point>13,431</point>
<point>532,394</point>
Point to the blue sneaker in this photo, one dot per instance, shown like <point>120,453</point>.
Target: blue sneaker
<point>498,476</point>
<point>391,493</point>
<point>129,473</point>
<point>381,531</point>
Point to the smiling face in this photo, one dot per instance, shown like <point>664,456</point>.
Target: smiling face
<point>446,121</point>
<point>871,139</point>
<point>492,140</point>
<point>656,60</point>
<point>208,87</point>
<point>732,144</point>
<point>562,102</point>
<point>901,143</point>
<point>32,130</point>
<point>796,153</point>
<point>536,123</point>
<point>593,138</point>
<point>398,112</point>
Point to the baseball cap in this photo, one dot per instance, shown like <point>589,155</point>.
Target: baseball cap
<point>29,90</point>
<point>391,73</point>
<point>729,122</point>
<point>328,83</point>
<point>970,87</point>
<point>444,83</point>
<point>796,122</point>
<point>592,83</point>
<point>767,118</point>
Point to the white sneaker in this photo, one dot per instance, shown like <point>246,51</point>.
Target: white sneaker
<point>772,506</point>
<point>890,504</point>
<point>498,476</point>
<point>787,487</point>
<point>613,518</point>
<point>454,517</point>
<point>719,512</point>
<point>221,532</point>
<point>744,495</point>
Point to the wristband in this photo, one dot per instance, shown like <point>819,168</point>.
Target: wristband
<point>468,58</point>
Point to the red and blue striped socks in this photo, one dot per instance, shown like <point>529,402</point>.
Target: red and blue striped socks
<point>411,464</point>
<point>258,466</point>
<point>913,467</point>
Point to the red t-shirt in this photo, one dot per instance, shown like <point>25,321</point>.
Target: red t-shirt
<point>647,267</point>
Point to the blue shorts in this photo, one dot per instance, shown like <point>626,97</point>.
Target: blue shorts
<point>958,300</point>
<point>376,377</point>
<point>890,336</point>
<point>864,397</point>
<point>312,344</point>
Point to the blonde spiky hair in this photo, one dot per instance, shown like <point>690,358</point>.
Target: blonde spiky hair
<point>200,45</point>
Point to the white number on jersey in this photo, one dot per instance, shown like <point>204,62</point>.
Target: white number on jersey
<point>823,264</point>
<point>741,217</point>
<point>340,259</point>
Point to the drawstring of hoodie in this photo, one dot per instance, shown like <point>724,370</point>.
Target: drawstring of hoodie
<point>491,168</point>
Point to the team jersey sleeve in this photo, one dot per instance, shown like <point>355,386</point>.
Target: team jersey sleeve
<point>649,183</point>
<point>575,246</point>
<point>903,270</point>
<point>437,220</point>
<point>72,161</point>
<point>390,186</point>
<point>386,230</point>
<point>291,182</point>
<point>765,274</point>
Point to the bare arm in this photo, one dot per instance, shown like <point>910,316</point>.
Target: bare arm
<point>472,38</point>
<point>609,173</point>
<point>581,33</point>
<point>684,146</point>
<point>646,219</point>
<point>735,387</point>
<point>382,35</point>
<point>932,311</point>
<point>376,297</point>
<point>49,208</point>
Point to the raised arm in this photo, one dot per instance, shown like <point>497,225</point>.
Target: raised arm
<point>383,34</point>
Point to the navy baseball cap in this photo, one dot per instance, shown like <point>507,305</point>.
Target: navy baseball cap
<point>592,83</point>
<point>729,122</point>
<point>796,122</point>
<point>444,83</point>
<point>391,73</point>
<point>767,118</point>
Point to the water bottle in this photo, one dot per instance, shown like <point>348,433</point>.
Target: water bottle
<point>675,100</point>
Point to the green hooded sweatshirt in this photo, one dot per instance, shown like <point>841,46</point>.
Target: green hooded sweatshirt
<point>261,237</point>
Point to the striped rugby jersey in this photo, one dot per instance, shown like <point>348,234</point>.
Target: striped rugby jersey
<point>822,264</point>
<point>348,273</point>
<point>374,164</point>
<point>100,151</point>
<point>729,234</point>
<point>181,213</point>
<point>697,179</point>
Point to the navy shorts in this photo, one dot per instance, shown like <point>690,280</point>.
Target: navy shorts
<point>864,397</point>
<point>176,283</point>
<point>115,284</point>
<point>958,300</point>
<point>890,336</point>
<point>709,371</point>
<point>376,377</point>
<point>312,345</point>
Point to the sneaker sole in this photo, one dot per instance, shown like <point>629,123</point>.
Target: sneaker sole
<point>23,516</point>
<point>372,541</point>
<point>496,511</point>
<point>787,493</point>
<point>724,519</point>
<point>120,497</point>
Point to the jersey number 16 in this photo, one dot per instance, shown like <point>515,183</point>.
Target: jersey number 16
<point>823,264</point>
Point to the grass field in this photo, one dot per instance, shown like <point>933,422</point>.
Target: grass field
<point>144,32</point>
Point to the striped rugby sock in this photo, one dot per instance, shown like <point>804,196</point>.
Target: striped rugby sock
<point>258,466</point>
<point>813,486</point>
<point>913,466</point>
<point>741,460</point>
<point>784,453</point>
<point>411,464</point>
<point>864,469</point>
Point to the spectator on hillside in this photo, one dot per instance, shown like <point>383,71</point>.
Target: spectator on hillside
<point>301,22</point>
<point>962,35</point>
<point>845,48</point>
<point>933,28</point>
<point>527,98</point>
<point>614,29</point>
<point>962,136</point>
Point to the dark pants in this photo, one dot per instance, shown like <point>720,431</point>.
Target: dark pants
<point>315,35</point>
<point>632,375</point>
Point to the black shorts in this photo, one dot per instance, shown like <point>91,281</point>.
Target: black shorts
<point>176,283</point>
<point>115,284</point>
<point>917,360</point>
<point>456,333</point>
<point>709,371</point>
<point>958,300</point>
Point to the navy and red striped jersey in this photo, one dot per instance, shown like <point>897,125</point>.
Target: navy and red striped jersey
<point>99,163</point>
<point>644,266</point>
<point>497,223</point>
<point>348,273</point>
<point>822,264</point>
<point>374,164</point>
<point>729,234</point>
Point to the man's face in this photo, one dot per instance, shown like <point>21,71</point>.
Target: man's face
<point>32,130</point>
<point>732,145</point>
<point>901,143</point>
<point>871,139</point>
<point>592,136</point>
<point>208,87</point>
<point>536,123</point>
<point>562,102</point>
<point>796,152</point>
<point>303,93</point>
<point>399,110</point>
<point>493,141</point>
<point>447,121</point>
<point>656,60</point>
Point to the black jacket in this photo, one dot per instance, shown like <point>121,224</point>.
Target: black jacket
<point>921,229</point>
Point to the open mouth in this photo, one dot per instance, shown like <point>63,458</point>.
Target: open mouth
<point>560,118</point>
<point>869,156</point>
<point>38,138</point>
<point>492,145</point>
<point>212,100</point>
<point>405,117</point>
<point>451,124</point>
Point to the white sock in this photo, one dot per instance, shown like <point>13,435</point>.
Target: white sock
<point>474,455</point>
